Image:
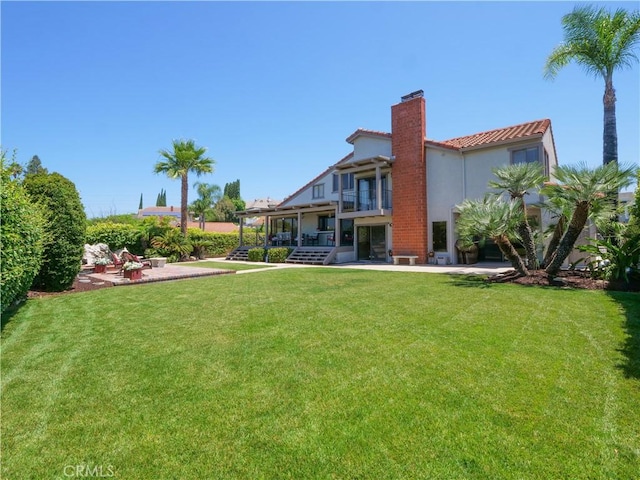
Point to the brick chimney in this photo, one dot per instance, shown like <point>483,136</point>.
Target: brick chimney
<point>408,132</point>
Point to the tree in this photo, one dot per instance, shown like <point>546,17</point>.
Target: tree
<point>232,190</point>
<point>225,210</point>
<point>161,200</point>
<point>21,238</point>
<point>65,226</point>
<point>185,158</point>
<point>634,212</point>
<point>140,207</point>
<point>208,194</point>
<point>586,189</point>
<point>517,180</point>
<point>601,43</point>
<point>35,166</point>
<point>496,219</point>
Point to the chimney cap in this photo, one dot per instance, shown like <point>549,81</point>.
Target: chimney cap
<point>412,95</point>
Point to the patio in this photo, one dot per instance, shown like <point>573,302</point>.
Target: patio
<point>169,272</point>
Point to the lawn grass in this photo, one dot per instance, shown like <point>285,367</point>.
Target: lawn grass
<point>226,265</point>
<point>324,373</point>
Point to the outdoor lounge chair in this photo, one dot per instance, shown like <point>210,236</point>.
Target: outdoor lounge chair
<point>130,257</point>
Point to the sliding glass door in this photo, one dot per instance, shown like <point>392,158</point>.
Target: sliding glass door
<point>372,243</point>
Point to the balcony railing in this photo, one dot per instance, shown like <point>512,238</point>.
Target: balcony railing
<point>365,200</point>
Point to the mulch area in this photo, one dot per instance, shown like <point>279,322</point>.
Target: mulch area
<point>567,279</point>
<point>82,283</point>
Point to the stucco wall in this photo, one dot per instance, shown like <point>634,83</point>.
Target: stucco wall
<point>305,197</point>
<point>367,147</point>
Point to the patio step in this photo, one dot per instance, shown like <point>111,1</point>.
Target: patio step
<point>240,253</point>
<point>310,255</point>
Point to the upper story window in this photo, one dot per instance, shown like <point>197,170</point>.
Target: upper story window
<point>318,190</point>
<point>525,155</point>
<point>347,181</point>
<point>531,155</point>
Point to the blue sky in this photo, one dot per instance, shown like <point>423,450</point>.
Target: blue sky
<point>272,89</point>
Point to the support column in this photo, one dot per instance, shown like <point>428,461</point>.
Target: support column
<point>267,222</point>
<point>378,188</point>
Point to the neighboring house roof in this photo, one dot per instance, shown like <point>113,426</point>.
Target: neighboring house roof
<point>260,203</point>
<point>170,211</point>
<point>499,135</point>
<point>217,227</point>
<point>318,177</point>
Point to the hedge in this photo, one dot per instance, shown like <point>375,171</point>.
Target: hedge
<point>278,255</point>
<point>117,236</point>
<point>21,241</point>
<point>65,227</point>
<point>256,254</point>
<point>221,243</point>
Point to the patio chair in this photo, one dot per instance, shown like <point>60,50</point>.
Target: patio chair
<point>130,257</point>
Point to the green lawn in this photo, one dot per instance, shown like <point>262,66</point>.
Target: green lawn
<point>226,265</point>
<point>324,373</point>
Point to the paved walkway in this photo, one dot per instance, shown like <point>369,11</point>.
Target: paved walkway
<point>174,271</point>
<point>484,268</point>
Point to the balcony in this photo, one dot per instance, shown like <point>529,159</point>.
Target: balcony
<point>365,201</point>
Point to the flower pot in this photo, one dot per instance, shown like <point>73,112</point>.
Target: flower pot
<point>133,274</point>
<point>99,268</point>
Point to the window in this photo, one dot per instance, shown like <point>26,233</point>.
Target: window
<point>347,181</point>
<point>439,236</point>
<point>525,155</point>
<point>346,231</point>
<point>326,223</point>
<point>318,191</point>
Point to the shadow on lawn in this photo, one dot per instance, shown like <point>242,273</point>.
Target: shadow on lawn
<point>630,302</point>
<point>8,314</point>
<point>469,280</point>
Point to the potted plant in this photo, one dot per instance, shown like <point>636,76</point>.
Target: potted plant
<point>100,265</point>
<point>132,270</point>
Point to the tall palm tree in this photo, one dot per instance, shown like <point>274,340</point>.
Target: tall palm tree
<point>518,180</point>
<point>208,194</point>
<point>496,219</point>
<point>586,189</point>
<point>601,43</point>
<point>186,157</point>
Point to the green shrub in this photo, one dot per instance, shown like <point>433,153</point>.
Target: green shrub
<point>222,243</point>
<point>278,255</point>
<point>21,240</point>
<point>65,227</point>
<point>256,254</point>
<point>172,244</point>
<point>116,235</point>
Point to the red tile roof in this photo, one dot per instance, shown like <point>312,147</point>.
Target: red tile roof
<point>523,130</point>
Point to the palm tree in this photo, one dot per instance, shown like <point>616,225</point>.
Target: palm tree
<point>208,194</point>
<point>517,180</point>
<point>496,219</point>
<point>186,157</point>
<point>600,43</point>
<point>587,190</point>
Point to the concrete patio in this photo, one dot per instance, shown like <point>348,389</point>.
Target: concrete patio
<point>168,272</point>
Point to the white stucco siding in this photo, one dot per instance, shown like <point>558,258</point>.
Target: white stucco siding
<point>367,147</point>
<point>444,183</point>
<point>547,143</point>
<point>478,169</point>
<point>305,197</point>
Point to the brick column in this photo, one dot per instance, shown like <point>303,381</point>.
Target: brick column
<point>409,171</point>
